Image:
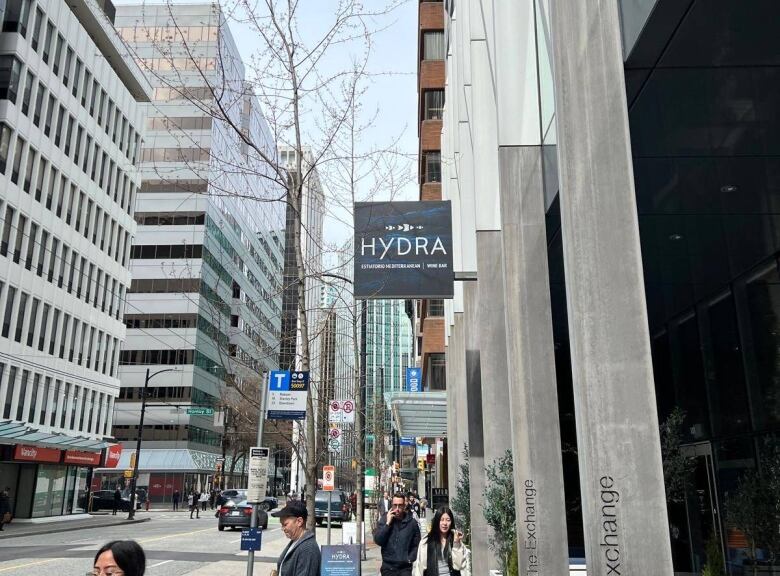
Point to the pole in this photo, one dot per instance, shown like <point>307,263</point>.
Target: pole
<point>250,560</point>
<point>330,499</point>
<point>360,428</point>
<point>133,482</point>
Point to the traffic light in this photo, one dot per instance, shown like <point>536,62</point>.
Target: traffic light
<point>396,467</point>
<point>132,460</point>
<point>421,464</point>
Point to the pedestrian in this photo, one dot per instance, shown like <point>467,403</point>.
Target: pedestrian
<point>126,556</point>
<point>398,534</point>
<point>212,498</point>
<point>384,504</point>
<point>301,557</point>
<point>5,507</point>
<point>117,500</point>
<point>442,552</point>
<point>176,498</point>
<point>193,502</point>
<point>414,504</point>
<point>204,501</point>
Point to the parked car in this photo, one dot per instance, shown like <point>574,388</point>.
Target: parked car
<point>340,508</point>
<point>269,503</point>
<point>239,515</point>
<point>104,500</point>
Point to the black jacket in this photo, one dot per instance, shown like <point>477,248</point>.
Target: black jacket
<point>399,541</point>
<point>303,560</point>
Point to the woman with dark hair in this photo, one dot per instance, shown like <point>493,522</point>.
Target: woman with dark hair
<point>442,552</point>
<point>120,558</point>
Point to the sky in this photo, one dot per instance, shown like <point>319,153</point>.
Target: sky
<point>391,96</point>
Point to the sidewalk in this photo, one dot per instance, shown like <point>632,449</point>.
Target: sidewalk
<point>265,560</point>
<point>18,529</point>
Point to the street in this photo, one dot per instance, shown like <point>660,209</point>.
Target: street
<point>174,544</point>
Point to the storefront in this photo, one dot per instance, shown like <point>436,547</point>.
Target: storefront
<point>45,482</point>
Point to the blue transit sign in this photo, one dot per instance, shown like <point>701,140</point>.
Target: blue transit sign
<point>251,539</point>
<point>413,376</point>
<point>407,441</point>
<point>342,560</point>
<point>287,395</point>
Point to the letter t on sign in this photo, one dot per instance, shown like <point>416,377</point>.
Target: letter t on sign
<point>279,380</point>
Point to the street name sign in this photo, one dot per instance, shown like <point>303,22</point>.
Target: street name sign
<point>258,474</point>
<point>197,411</point>
<point>287,394</point>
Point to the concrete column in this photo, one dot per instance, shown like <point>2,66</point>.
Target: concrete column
<point>624,507</point>
<point>536,438</point>
<point>457,431</point>
<point>481,555</point>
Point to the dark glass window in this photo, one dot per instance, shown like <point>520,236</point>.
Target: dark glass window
<point>27,94</point>
<point>17,15</point>
<point>36,34</point>
<point>47,42</point>
<point>5,142</point>
<point>432,167</point>
<point>691,387</point>
<point>9,310</point>
<point>10,71</point>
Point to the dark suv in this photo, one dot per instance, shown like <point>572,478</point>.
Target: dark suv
<point>340,508</point>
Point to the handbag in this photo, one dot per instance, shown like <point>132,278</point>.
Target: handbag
<point>7,518</point>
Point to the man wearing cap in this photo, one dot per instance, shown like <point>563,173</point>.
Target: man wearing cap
<point>301,557</point>
<point>398,534</point>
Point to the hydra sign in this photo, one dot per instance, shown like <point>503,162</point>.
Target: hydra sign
<point>403,250</point>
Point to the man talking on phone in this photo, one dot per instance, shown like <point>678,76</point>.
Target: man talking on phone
<point>398,534</point>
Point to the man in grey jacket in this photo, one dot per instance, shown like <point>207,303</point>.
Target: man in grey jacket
<point>301,557</point>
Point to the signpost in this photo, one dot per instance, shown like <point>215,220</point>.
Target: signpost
<point>258,474</point>
<point>329,484</point>
<point>198,411</point>
<point>413,380</point>
<point>251,539</point>
<point>341,411</point>
<point>287,393</point>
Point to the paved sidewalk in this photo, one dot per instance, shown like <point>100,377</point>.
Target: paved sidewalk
<point>265,560</point>
<point>18,529</point>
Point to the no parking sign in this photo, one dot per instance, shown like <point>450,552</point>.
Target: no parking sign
<point>328,477</point>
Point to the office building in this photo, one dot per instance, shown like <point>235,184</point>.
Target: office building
<point>204,304</point>
<point>71,118</point>
<point>612,168</point>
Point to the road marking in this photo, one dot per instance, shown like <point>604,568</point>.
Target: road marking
<point>146,541</point>
<point>29,564</point>
<point>160,563</point>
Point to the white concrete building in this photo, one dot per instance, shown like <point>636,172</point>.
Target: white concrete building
<point>70,133</point>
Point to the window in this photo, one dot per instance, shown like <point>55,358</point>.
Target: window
<point>20,226</point>
<point>432,167</point>
<point>433,105</point>
<point>39,99</point>
<point>55,244</point>
<point>36,34</point>
<point>41,175</point>
<point>17,14</point>
<point>68,137</point>
<point>433,45</point>
<point>58,55</point>
<point>44,323</point>
<point>21,315</point>
<point>76,77</point>
<point>17,166</point>
<point>28,173</point>
<point>28,259</point>
<point>49,115</point>
<point>437,379</point>
<point>20,405</point>
<point>5,142</point>
<point>7,226</point>
<point>85,87</point>
<point>9,310</point>
<point>55,323</point>
<point>27,94</point>
<point>67,66</point>
<point>33,318</point>
<point>58,129</point>
<point>47,42</point>
<point>10,70</point>
<point>42,252</point>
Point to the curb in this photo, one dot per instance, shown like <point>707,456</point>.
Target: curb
<point>54,530</point>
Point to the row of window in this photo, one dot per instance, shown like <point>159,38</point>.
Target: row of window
<point>168,33</point>
<point>34,169</point>
<point>83,87</point>
<point>28,396</point>
<point>169,432</point>
<point>179,123</point>
<point>168,357</point>
<point>178,64</point>
<point>164,393</point>
<point>175,155</point>
<point>190,186</point>
<point>170,218</point>
<point>183,93</point>
<point>164,285</point>
<point>39,324</point>
<point>160,320</point>
<point>156,252</point>
<point>37,249</point>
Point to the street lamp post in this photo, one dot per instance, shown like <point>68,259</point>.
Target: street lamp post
<point>134,480</point>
